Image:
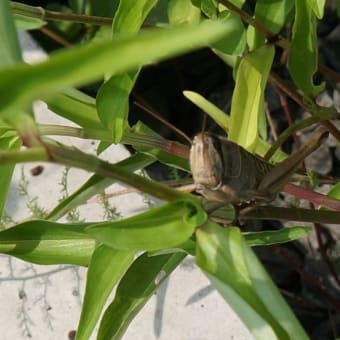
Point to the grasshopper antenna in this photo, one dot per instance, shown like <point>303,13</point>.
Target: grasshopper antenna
<point>204,122</point>
<point>151,111</point>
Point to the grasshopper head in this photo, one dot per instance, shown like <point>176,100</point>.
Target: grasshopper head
<point>205,161</point>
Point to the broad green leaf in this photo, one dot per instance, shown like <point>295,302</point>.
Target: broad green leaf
<point>234,270</point>
<point>264,238</point>
<point>106,268</point>
<point>188,247</point>
<point>162,227</point>
<point>26,23</point>
<point>303,50</point>
<point>209,8</point>
<point>223,120</point>
<point>220,117</point>
<point>273,15</point>
<point>8,142</point>
<point>318,7</point>
<point>10,52</point>
<point>90,62</point>
<point>113,96</point>
<point>130,16</point>
<point>183,12</point>
<point>75,106</point>
<point>44,242</point>
<point>335,191</point>
<point>95,185</point>
<point>113,103</point>
<point>247,101</point>
<point>135,288</point>
<point>234,43</point>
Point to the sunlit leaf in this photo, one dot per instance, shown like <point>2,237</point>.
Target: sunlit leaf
<point>247,101</point>
<point>113,96</point>
<point>235,272</point>
<point>10,52</point>
<point>318,7</point>
<point>80,65</point>
<point>44,242</point>
<point>136,287</point>
<point>234,43</point>
<point>263,238</point>
<point>75,106</point>
<point>105,269</point>
<point>273,15</point>
<point>162,227</point>
<point>183,12</point>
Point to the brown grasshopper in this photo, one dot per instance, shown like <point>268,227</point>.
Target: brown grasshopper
<point>225,172</point>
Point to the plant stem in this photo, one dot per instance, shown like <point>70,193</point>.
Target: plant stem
<point>76,158</point>
<point>131,138</point>
<point>288,132</point>
<point>42,14</point>
<point>19,156</point>
<point>292,214</point>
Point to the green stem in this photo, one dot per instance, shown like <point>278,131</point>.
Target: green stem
<point>19,156</point>
<point>131,138</point>
<point>70,131</point>
<point>292,214</point>
<point>76,158</point>
<point>289,131</point>
<point>42,14</point>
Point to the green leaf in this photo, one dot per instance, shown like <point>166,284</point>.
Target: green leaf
<point>183,12</point>
<point>10,52</point>
<point>105,269</point>
<point>27,23</point>
<point>113,103</point>
<point>265,238</point>
<point>220,117</point>
<point>209,8</point>
<point>95,185</point>
<point>136,287</point>
<point>318,7</point>
<point>75,106</point>
<point>162,227</point>
<point>335,191</point>
<point>6,171</point>
<point>234,270</point>
<point>44,242</point>
<point>247,101</point>
<point>130,16</point>
<point>86,63</point>
<point>235,42</point>
<point>113,96</point>
<point>223,120</point>
<point>273,15</point>
<point>303,50</point>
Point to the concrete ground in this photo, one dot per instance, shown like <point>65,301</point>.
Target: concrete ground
<point>44,302</point>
